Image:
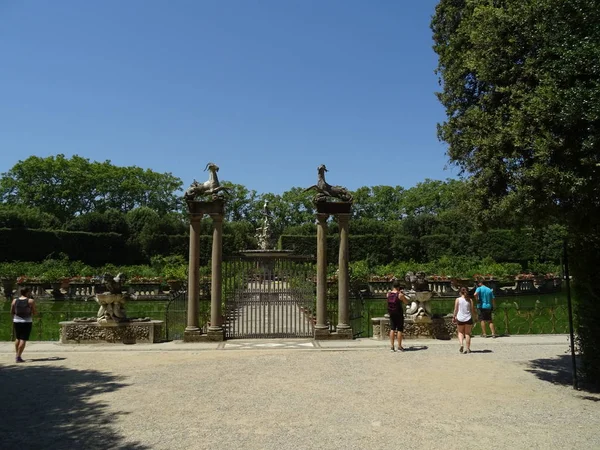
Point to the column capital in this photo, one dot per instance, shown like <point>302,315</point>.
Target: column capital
<point>322,217</point>
<point>342,217</point>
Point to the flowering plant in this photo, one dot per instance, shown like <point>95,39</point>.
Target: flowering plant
<point>24,279</point>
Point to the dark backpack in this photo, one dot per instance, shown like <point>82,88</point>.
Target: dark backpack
<point>22,308</point>
<point>392,302</point>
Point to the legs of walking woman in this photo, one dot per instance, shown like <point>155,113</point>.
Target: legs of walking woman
<point>467,332</point>
<point>461,336</point>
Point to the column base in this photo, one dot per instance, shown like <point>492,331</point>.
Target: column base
<point>344,332</point>
<point>322,333</point>
<point>215,334</point>
<point>193,336</point>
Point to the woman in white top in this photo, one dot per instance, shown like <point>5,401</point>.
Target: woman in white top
<point>463,317</point>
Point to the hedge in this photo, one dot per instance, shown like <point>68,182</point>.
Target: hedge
<point>97,249</point>
<point>36,245</point>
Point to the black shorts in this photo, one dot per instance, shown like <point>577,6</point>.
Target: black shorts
<point>397,322</point>
<point>468,322</point>
<point>22,330</point>
<point>485,315</point>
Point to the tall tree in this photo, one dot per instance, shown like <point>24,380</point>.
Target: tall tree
<point>521,87</point>
<point>66,187</point>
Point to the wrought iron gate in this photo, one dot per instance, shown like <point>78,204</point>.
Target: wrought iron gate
<point>268,297</point>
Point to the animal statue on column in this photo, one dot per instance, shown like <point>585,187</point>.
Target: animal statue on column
<point>325,190</point>
<point>209,187</point>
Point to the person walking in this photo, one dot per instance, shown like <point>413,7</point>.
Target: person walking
<point>22,310</point>
<point>395,301</point>
<point>463,317</point>
<point>486,303</point>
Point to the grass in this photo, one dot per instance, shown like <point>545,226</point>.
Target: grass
<point>534,314</point>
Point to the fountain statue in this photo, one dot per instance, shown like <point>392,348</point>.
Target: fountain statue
<point>418,294</point>
<point>112,302</point>
<point>264,234</point>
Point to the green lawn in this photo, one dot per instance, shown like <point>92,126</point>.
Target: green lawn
<point>535,314</point>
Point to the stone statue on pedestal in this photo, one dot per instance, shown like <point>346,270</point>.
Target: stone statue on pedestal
<point>418,294</point>
<point>326,191</point>
<point>112,302</point>
<point>210,187</point>
<point>264,233</point>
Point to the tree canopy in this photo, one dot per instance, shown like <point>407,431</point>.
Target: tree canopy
<point>521,88</point>
<point>65,187</point>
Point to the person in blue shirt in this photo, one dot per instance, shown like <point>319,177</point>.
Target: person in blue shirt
<point>486,302</point>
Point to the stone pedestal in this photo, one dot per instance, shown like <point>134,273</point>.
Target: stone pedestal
<point>436,328</point>
<point>111,332</point>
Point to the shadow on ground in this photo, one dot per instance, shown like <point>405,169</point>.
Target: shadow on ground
<point>559,371</point>
<point>56,407</point>
<point>415,348</point>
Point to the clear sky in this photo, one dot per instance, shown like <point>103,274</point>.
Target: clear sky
<point>266,89</point>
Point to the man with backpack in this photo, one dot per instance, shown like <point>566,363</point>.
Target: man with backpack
<point>395,306</point>
<point>22,310</point>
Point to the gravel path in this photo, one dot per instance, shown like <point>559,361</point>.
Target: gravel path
<point>507,395</point>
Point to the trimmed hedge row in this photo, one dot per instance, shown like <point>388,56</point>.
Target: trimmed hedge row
<point>502,245</point>
<point>97,249</point>
<point>22,244</point>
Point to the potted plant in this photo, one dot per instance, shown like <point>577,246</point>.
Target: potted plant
<point>8,276</point>
<point>175,276</point>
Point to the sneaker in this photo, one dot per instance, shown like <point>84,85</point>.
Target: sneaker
<point>467,351</point>
<point>400,349</point>
<point>460,350</point>
<point>494,336</point>
<point>392,349</point>
<point>484,335</point>
<point>19,359</point>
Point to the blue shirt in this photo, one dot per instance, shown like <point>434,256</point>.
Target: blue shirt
<point>484,297</point>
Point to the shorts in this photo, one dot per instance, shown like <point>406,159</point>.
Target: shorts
<point>397,322</point>
<point>468,322</point>
<point>485,315</point>
<point>22,330</point>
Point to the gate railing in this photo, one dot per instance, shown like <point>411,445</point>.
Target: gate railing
<point>268,298</point>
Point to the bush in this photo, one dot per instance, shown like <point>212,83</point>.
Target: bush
<point>23,217</point>
<point>110,221</point>
<point>37,245</point>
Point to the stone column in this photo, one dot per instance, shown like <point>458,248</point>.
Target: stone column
<point>343,326</point>
<point>321,328</point>
<point>192,328</point>
<point>215,330</point>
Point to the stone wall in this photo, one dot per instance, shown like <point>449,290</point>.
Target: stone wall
<point>117,333</point>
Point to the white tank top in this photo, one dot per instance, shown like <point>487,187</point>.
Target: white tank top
<point>464,310</point>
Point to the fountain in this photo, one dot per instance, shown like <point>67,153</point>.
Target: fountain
<point>111,324</point>
<point>418,318</point>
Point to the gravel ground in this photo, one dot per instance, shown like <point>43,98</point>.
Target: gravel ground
<point>505,395</point>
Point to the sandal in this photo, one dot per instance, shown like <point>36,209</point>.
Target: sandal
<point>460,350</point>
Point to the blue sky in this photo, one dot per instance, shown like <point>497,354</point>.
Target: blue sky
<point>266,89</point>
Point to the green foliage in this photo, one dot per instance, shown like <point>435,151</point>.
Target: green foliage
<point>110,221</point>
<point>37,245</point>
<point>584,269</point>
<point>521,88</point>
<point>12,216</point>
<point>67,187</point>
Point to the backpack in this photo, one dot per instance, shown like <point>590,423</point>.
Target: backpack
<point>392,302</point>
<point>22,308</point>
